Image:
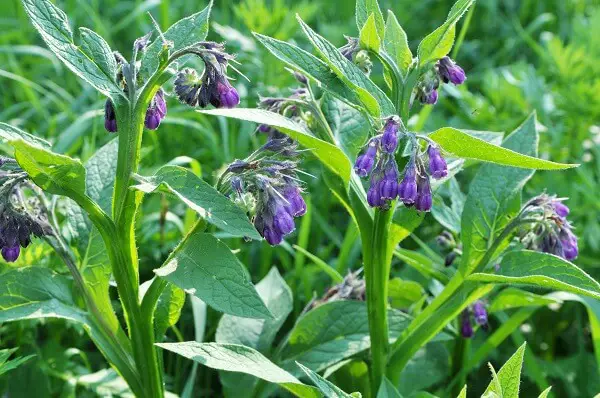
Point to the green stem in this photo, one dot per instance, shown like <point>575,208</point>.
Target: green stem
<point>461,358</point>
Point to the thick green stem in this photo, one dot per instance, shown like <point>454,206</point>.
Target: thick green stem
<point>378,257</point>
<point>461,358</point>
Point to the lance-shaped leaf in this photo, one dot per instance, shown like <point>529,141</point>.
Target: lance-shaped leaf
<point>204,266</point>
<point>439,42</point>
<point>509,377</point>
<point>11,133</point>
<point>366,8</point>
<point>349,126</point>
<point>375,100</point>
<point>515,298</point>
<point>395,44</point>
<point>168,307</point>
<point>494,197</point>
<point>6,366</point>
<point>369,39</point>
<point>311,66</point>
<point>54,173</point>
<point>181,34</point>
<point>463,145</point>
<point>545,270</point>
<point>209,203</point>
<point>330,155</point>
<point>327,388</point>
<point>93,61</point>
<point>242,359</point>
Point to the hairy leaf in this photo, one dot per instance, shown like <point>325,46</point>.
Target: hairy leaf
<point>327,388</point>
<point>369,38</point>
<point>366,8</point>
<point>11,133</point>
<point>395,43</point>
<point>349,126</point>
<point>514,298</point>
<point>509,376</point>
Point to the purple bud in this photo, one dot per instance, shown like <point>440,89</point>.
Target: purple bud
<point>301,78</point>
<point>228,95</point>
<point>161,104</point>
<point>283,221</point>
<point>449,71</point>
<point>389,140</point>
<point>110,118</point>
<point>424,200</point>
<point>264,128</point>
<point>480,313</point>
<point>374,194</point>
<point>429,98</point>
<point>365,162</point>
<point>153,119</point>
<point>437,165</point>
<point>569,244</point>
<point>297,205</point>
<point>560,208</point>
<point>272,236</point>
<point>466,329</point>
<point>389,185</point>
<point>11,254</point>
<point>407,191</point>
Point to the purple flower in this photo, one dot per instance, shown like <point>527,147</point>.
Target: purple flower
<point>388,188</point>
<point>11,254</point>
<point>389,140</point>
<point>560,208</point>
<point>429,97</point>
<point>407,191</point>
<point>569,245</point>
<point>157,110</point>
<point>466,329</point>
<point>365,162</point>
<point>374,194</point>
<point>296,204</point>
<point>424,200</point>
<point>449,71</point>
<point>437,165</point>
<point>227,95</point>
<point>480,313</point>
<point>110,117</point>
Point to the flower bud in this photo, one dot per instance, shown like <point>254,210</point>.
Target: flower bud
<point>560,208</point>
<point>301,78</point>
<point>480,313</point>
<point>110,117</point>
<point>187,86</point>
<point>428,97</point>
<point>445,240</point>
<point>374,194</point>
<point>365,162</point>
<point>389,140</point>
<point>297,205</point>
<point>389,185</point>
<point>227,95</point>
<point>437,165</point>
<point>569,245</point>
<point>272,236</point>
<point>424,200</point>
<point>282,220</point>
<point>407,191</point>
<point>449,71</point>
<point>450,257</point>
<point>11,254</point>
<point>466,329</point>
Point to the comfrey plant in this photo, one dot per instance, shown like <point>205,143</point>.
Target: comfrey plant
<point>356,129</point>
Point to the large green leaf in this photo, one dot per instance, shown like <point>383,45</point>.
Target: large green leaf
<point>329,389</point>
<point>439,42</point>
<point>544,270</point>
<point>205,267</point>
<point>515,298</point>
<point>238,358</point>
<point>375,100</point>
<point>509,377</point>
<point>310,66</point>
<point>428,367</point>
<point>54,173</point>
<point>395,44</point>
<point>369,38</point>
<point>183,33</point>
<point>494,197</point>
<point>168,307</point>
<point>211,205</point>
<point>349,126</point>
<point>364,10</point>
<point>331,156</point>
<point>463,145</point>
<point>11,133</point>
<point>93,61</point>
<point>388,390</point>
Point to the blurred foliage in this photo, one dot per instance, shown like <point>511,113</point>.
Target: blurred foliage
<point>520,56</point>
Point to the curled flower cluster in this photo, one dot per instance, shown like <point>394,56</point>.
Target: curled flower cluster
<point>354,53</point>
<point>266,185</point>
<point>412,186</point>
<point>19,218</point>
<point>213,86</point>
<point>477,314</point>
<point>446,71</point>
<point>549,230</point>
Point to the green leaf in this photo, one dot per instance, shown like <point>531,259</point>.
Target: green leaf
<point>494,197</point>
<point>168,309</point>
<point>205,267</point>
<point>210,204</point>
<point>329,389</point>
<point>463,145</point>
<point>310,66</point>
<point>369,39</point>
<point>509,376</point>
<point>11,133</point>
<point>388,390</point>
<point>331,156</point>
<point>349,126</point>
<point>375,100</point>
<point>545,393</point>
<point>93,61</point>
<point>403,294</point>
<point>366,8</point>
<point>544,270</point>
<point>463,393</point>
<point>238,358</point>
<point>514,298</point>
<point>54,173</point>
<point>405,221</point>
<point>183,33</point>
<point>5,366</point>
<point>449,215</point>
<point>33,293</point>
<point>439,43</point>
<point>395,44</point>
<point>428,367</point>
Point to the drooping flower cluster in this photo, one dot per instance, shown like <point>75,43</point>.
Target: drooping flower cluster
<point>412,186</point>
<point>446,71</point>
<point>20,218</point>
<point>474,314</point>
<point>266,185</point>
<point>549,230</point>
<point>213,86</point>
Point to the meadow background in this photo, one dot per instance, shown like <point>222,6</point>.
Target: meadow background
<point>519,55</point>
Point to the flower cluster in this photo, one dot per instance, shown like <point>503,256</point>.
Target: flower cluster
<point>213,86</point>
<point>20,218</point>
<point>446,242</point>
<point>446,71</point>
<point>547,228</point>
<point>354,53</point>
<point>412,186</point>
<point>351,288</point>
<point>477,314</point>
